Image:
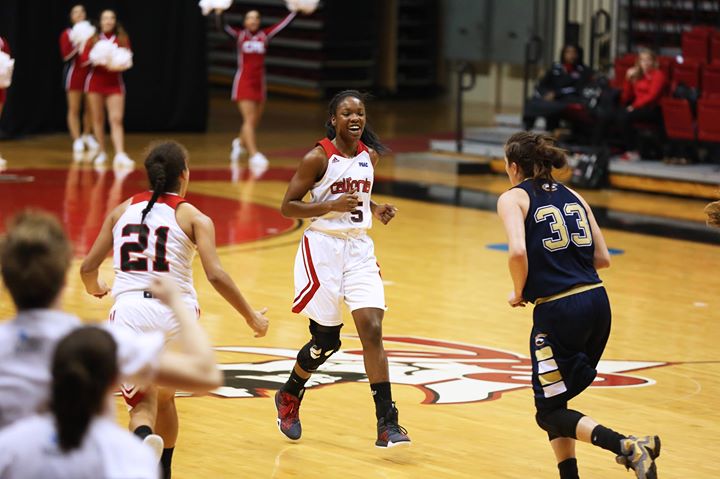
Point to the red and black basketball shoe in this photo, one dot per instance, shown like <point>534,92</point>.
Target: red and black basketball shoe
<point>288,416</point>
<point>390,433</point>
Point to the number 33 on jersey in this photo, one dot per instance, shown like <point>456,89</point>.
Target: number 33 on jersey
<point>558,241</point>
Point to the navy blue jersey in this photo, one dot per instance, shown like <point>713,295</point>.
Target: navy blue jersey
<point>558,241</point>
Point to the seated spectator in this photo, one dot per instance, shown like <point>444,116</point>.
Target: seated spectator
<point>561,86</point>
<point>639,103</point>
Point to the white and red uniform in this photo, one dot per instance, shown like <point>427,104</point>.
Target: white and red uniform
<point>100,79</point>
<point>144,251</point>
<point>336,258</point>
<point>249,82</point>
<point>74,72</point>
<point>4,47</point>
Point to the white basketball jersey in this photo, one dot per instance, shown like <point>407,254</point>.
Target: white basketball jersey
<point>343,175</point>
<point>153,249</point>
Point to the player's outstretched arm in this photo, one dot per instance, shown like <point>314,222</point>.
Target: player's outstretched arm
<point>513,219</point>
<point>204,232</point>
<point>99,251</point>
<point>193,368</point>
<point>311,169</point>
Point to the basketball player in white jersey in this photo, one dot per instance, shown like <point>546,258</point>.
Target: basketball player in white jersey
<point>153,235</point>
<point>336,262</point>
<point>79,439</point>
<point>35,256</point>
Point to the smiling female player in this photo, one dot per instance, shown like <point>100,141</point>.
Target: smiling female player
<point>336,261</point>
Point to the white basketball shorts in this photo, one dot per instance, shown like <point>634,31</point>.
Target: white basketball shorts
<point>135,311</point>
<point>144,314</point>
<point>330,270</point>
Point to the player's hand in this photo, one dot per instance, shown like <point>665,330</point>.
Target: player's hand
<point>347,202</point>
<point>259,323</point>
<point>713,214</point>
<point>165,290</point>
<point>516,300</point>
<point>385,213</point>
<point>100,290</point>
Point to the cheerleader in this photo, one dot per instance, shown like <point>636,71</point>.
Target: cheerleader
<point>105,89</point>
<point>248,89</point>
<point>74,74</point>
<point>5,48</point>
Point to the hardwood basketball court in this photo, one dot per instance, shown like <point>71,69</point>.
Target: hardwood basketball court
<point>458,353</point>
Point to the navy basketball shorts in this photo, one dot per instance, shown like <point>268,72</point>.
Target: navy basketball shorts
<point>567,340</point>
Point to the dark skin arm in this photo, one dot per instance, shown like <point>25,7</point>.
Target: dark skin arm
<point>311,168</point>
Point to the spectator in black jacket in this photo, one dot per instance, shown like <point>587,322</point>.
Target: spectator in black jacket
<point>562,85</point>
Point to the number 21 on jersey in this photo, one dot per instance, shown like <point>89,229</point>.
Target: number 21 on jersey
<point>561,237</point>
<point>140,263</point>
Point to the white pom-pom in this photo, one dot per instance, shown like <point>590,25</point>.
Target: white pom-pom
<point>102,52</point>
<point>208,6</point>
<point>121,60</point>
<point>81,32</point>
<point>7,65</point>
<point>303,6</point>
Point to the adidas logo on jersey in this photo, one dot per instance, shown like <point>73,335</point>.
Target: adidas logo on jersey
<point>347,184</point>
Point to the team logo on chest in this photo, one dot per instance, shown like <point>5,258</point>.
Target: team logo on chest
<point>348,184</point>
<point>447,372</point>
<point>253,46</point>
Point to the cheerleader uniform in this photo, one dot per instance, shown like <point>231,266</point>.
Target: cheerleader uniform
<point>4,47</point>
<point>74,72</point>
<point>249,82</point>
<point>100,79</point>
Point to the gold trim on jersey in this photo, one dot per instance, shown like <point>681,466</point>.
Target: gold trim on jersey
<point>576,290</point>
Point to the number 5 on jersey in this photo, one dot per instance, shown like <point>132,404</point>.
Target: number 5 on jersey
<point>561,236</point>
<point>127,263</point>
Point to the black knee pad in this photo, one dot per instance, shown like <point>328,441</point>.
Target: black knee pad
<point>560,422</point>
<point>324,343</point>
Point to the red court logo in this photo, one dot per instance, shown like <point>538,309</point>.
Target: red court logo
<point>447,372</point>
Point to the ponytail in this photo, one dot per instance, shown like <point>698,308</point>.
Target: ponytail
<point>157,173</point>
<point>84,368</point>
<point>536,155</point>
<point>165,162</point>
<point>368,137</point>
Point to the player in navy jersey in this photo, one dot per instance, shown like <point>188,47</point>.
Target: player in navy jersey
<point>556,247</point>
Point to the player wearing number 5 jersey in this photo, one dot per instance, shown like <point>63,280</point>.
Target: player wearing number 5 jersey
<point>155,234</point>
<point>555,249</point>
<point>336,262</point>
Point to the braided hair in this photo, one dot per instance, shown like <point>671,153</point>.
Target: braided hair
<point>165,162</point>
<point>369,137</point>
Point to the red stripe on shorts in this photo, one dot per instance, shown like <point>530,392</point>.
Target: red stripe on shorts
<point>313,280</point>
